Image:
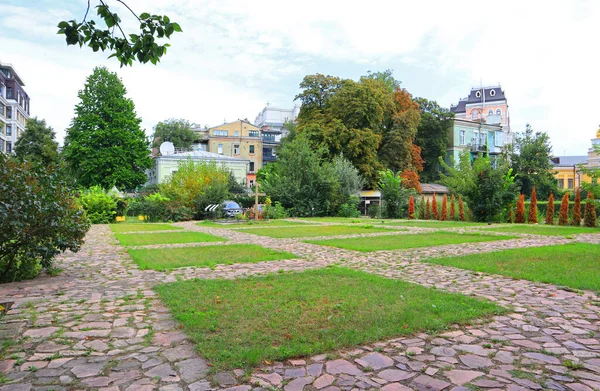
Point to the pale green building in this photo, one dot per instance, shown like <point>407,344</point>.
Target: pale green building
<point>476,137</point>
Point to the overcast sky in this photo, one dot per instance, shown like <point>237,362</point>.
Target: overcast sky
<point>234,56</point>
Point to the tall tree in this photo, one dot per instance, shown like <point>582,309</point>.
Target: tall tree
<point>143,46</point>
<point>177,131</point>
<point>105,145</point>
<point>37,143</point>
<point>432,136</point>
<point>530,160</point>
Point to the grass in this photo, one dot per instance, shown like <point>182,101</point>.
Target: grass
<point>138,227</point>
<point>397,242</point>
<point>239,323</point>
<point>574,265</point>
<point>348,220</point>
<point>249,223</point>
<point>545,230</point>
<point>434,224</point>
<point>204,256</point>
<point>312,231</point>
<point>166,238</point>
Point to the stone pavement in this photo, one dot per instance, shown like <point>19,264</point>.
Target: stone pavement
<point>99,325</point>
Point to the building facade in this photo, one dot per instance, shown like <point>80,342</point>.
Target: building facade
<point>568,169</point>
<point>484,104</point>
<point>239,139</point>
<point>14,107</point>
<point>271,121</point>
<point>476,137</point>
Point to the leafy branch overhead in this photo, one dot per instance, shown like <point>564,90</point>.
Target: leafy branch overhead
<point>142,47</point>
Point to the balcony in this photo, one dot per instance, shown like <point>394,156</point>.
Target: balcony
<point>270,158</point>
<point>478,148</point>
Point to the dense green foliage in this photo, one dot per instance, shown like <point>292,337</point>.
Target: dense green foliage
<point>105,145</point>
<point>530,160</point>
<point>99,206</point>
<point>177,131</point>
<point>142,47</point>
<point>393,194</point>
<point>39,218</point>
<point>37,143</point>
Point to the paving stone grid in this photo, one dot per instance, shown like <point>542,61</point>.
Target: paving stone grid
<point>99,325</point>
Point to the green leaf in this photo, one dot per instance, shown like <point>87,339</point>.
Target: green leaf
<point>144,15</point>
<point>176,27</point>
<point>166,19</point>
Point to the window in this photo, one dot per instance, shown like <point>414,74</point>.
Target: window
<point>9,148</point>
<point>8,112</point>
<point>462,137</point>
<point>236,133</point>
<point>561,184</point>
<point>482,138</point>
<point>478,94</point>
<point>253,133</point>
<point>491,112</point>
<point>474,115</point>
<point>251,182</point>
<point>219,133</point>
<point>9,93</point>
<point>251,167</point>
<point>236,149</point>
<point>252,149</point>
<point>569,181</point>
<point>492,92</point>
<point>220,149</point>
<point>9,130</point>
<point>498,112</point>
<point>1,146</point>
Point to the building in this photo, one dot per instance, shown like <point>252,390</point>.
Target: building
<point>238,139</point>
<point>484,104</point>
<point>14,107</point>
<point>271,120</point>
<point>568,169</point>
<point>477,137</point>
<point>164,166</point>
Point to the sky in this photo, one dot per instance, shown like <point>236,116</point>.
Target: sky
<point>234,56</point>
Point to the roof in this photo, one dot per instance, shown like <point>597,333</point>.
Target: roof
<point>202,155</point>
<point>491,94</point>
<point>14,73</point>
<point>568,161</point>
<point>430,188</point>
<point>460,107</point>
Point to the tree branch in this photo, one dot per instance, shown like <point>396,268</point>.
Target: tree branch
<point>86,12</point>
<point>130,10</point>
<point>116,23</point>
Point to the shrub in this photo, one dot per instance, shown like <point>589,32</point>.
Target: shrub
<point>563,217</point>
<point>444,214</point>
<point>422,208</point>
<point>411,207</point>
<point>39,218</point>
<point>99,207</point>
<point>176,211</point>
<point>461,209</point>
<point>589,218</point>
<point>277,211</point>
<point>374,211</point>
<point>347,210</point>
<point>550,210</point>
<point>427,210</point>
<point>434,207</point>
<point>452,208</point>
<point>122,206</point>
<point>152,207</point>
<point>394,195</point>
<point>509,217</point>
<point>532,216</point>
<point>520,212</point>
<point>576,219</point>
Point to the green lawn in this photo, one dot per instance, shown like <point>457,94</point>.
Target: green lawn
<point>239,323</point>
<point>250,223</point>
<point>166,238</point>
<point>576,265</point>
<point>139,227</point>
<point>545,230</point>
<point>204,256</point>
<point>312,231</point>
<point>348,220</point>
<point>434,224</point>
<point>396,242</point>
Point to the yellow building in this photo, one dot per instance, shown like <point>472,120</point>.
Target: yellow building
<point>568,168</point>
<point>238,139</point>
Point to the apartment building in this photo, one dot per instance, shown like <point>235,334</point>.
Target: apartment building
<point>14,107</point>
<point>271,122</point>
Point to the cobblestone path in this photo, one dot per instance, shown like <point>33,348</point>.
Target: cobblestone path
<point>99,325</point>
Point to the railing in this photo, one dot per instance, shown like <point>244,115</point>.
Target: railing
<point>270,158</point>
<point>478,148</point>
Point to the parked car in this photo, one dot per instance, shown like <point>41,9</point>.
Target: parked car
<point>231,208</point>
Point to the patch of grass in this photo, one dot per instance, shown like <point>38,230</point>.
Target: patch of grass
<point>204,256</point>
<point>570,364</point>
<point>250,223</point>
<point>312,231</point>
<point>132,227</point>
<point>239,323</point>
<point>433,224</point>
<point>573,265</point>
<point>346,220</point>
<point>549,230</point>
<point>166,238</point>
<point>397,242</point>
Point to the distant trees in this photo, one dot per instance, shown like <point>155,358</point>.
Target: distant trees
<point>177,131</point>
<point>37,143</point>
<point>105,145</point>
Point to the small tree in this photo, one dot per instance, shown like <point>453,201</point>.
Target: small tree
<point>411,208</point>
<point>37,143</point>
<point>434,207</point>
<point>563,216</point>
<point>589,218</point>
<point>427,210</point>
<point>452,208</point>
<point>461,209</point>
<point>393,194</point>
<point>444,214</point>
<point>576,221</point>
<point>177,131</point>
<point>509,217</point>
<point>550,210</point>
<point>520,212</point>
<point>422,208</point>
<point>532,216</point>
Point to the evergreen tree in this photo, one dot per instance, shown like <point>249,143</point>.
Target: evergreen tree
<point>444,214</point>
<point>427,210</point>
<point>520,212</point>
<point>550,210</point>
<point>563,216</point>
<point>576,220</point>
<point>452,208</point>
<point>411,208</point>
<point>461,209</point>
<point>434,207</point>
<point>37,143</point>
<point>422,208</point>
<point>589,218</point>
<point>532,216</point>
<point>105,145</point>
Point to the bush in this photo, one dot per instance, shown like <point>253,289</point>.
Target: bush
<point>374,211</point>
<point>411,208</point>
<point>99,207</point>
<point>276,211</point>
<point>152,207</point>
<point>532,217</point>
<point>347,210</point>
<point>589,218</point>
<point>393,194</point>
<point>434,208</point>
<point>520,212</point>
<point>576,219</point>
<point>444,213</point>
<point>563,217</point>
<point>550,210</point>
<point>39,218</point>
<point>122,206</point>
<point>176,211</point>
<point>461,209</point>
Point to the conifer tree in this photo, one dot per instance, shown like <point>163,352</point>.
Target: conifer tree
<point>589,217</point>
<point>452,208</point>
<point>427,210</point>
<point>422,208</point>
<point>520,210</point>
<point>411,208</point>
<point>532,216</point>
<point>563,216</point>
<point>434,208</point>
<point>444,214</point>
<point>461,209</point>
<point>509,218</point>
<point>576,220</point>
<point>550,210</point>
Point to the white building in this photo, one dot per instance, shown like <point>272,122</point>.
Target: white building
<point>14,107</point>
<point>271,120</point>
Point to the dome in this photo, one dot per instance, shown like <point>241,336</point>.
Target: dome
<point>598,134</point>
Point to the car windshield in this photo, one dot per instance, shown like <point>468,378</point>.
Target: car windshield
<point>231,205</point>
